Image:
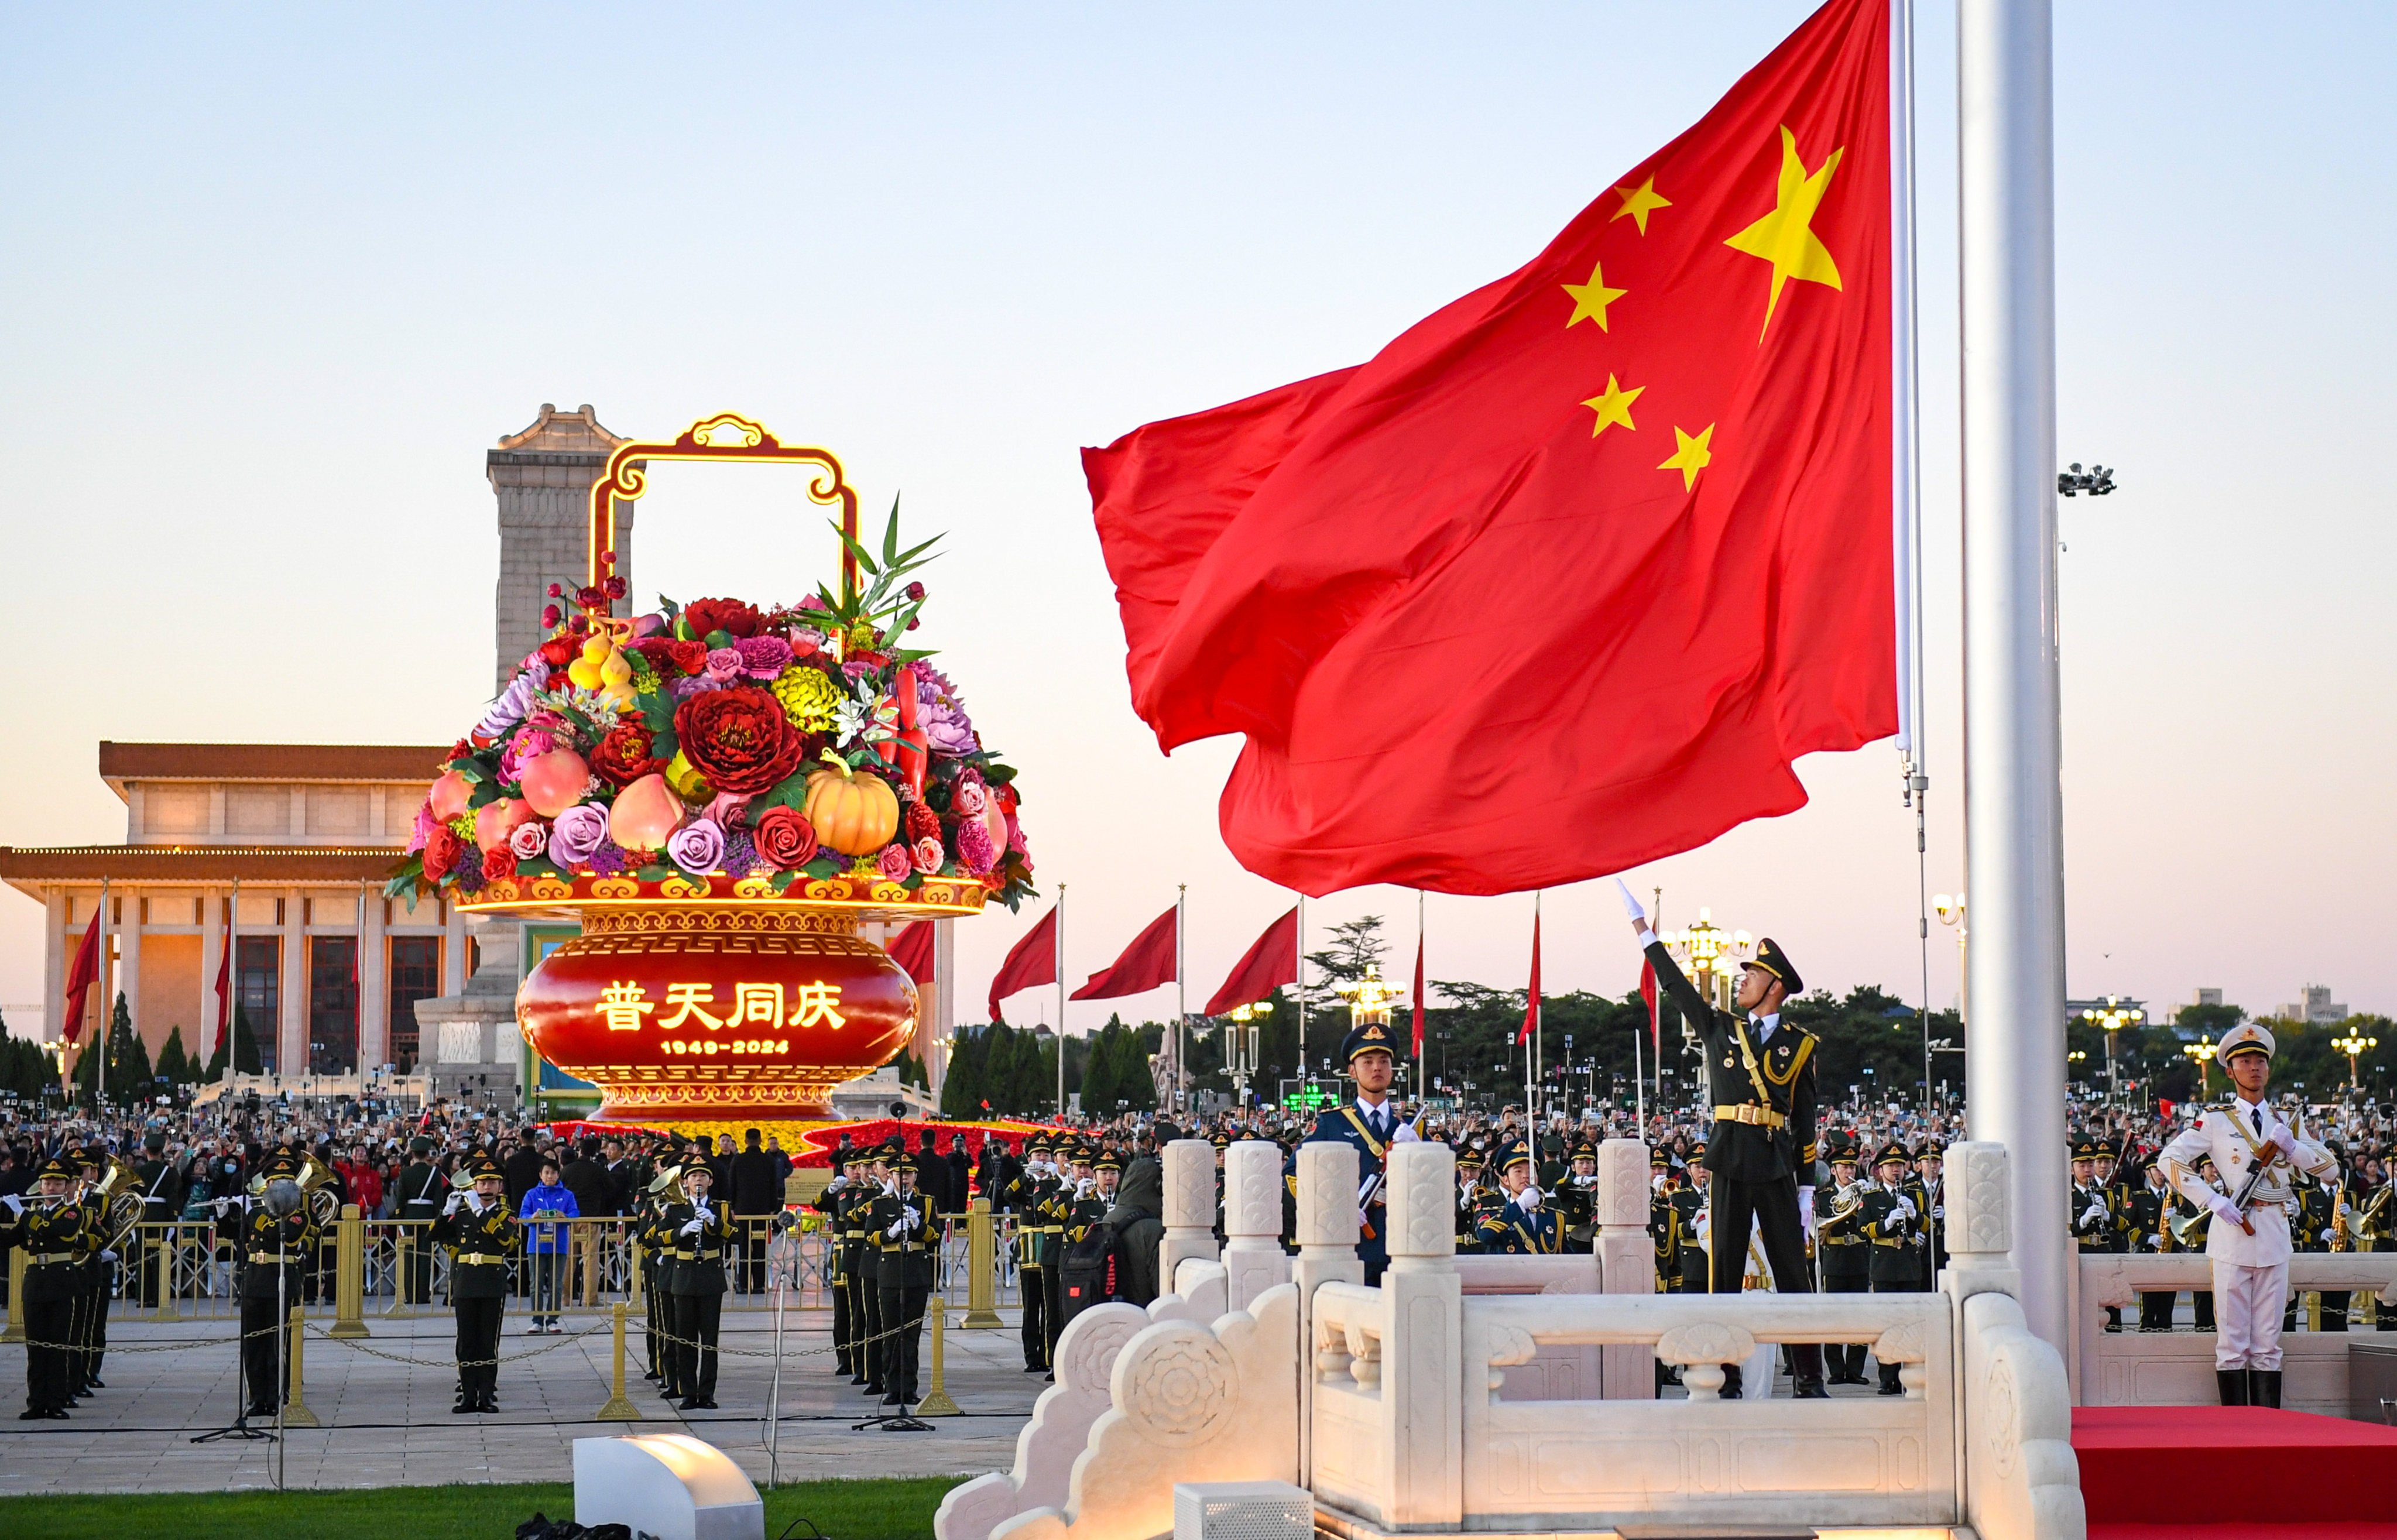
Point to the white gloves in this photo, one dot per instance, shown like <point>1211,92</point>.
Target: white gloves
<point>704,1211</point>
<point>452,1207</point>
<point>108,1256</point>
<point>2157,1241</point>
<point>1630,905</point>
<point>2224,1209</point>
<point>1806,1211</point>
<point>1406,1135</point>
<point>1082,1188</point>
<point>1905,1210</point>
<point>2326,1234</point>
<point>2094,1215</point>
<point>694,1227</point>
<point>1528,1200</point>
<point>911,1220</point>
<point>837,1184</point>
<point>16,1204</point>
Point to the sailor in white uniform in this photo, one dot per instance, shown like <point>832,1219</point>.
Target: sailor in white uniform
<point>2250,1248</point>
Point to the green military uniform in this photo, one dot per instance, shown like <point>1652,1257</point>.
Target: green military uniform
<point>416,1197</point>
<point>1025,1193</point>
<point>1891,1218</point>
<point>1521,1225</point>
<point>2098,1226</point>
<point>1661,1228</point>
<point>903,1231</point>
<point>274,1254</point>
<point>1576,1199</point>
<point>1843,1250</point>
<point>695,1233</point>
<point>828,1203</point>
<point>654,1241</point>
<point>484,1238</point>
<point>57,1235</point>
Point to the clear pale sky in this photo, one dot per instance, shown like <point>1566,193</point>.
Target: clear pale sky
<point>273,279</point>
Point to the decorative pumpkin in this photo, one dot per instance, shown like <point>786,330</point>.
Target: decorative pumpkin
<point>495,820</point>
<point>450,795</point>
<point>854,814</point>
<point>644,813</point>
<point>553,782</point>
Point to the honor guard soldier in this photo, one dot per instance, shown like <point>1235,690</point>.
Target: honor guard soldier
<point>1660,1223</point>
<point>1760,1079</point>
<point>1475,1197</point>
<point>828,1203</point>
<point>2096,1228</point>
<point>698,1230</point>
<point>1843,1250</point>
<point>1026,1193</point>
<point>1370,1126</point>
<point>486,1234</point>
<point>2249,1246</point>
<point>279,1239</point>
<point>2317,1224</point>
<point>1892,1220</point>
<point>867,1310</point>
<point>1931,1191</point>
<point>1056,1218</point>
<point>57,1233</point>
<point>418,1198</point>
<point>1690,1227</point>
<point>903,1230</point>
<point>1526,1225</point>
<point>1576,1198</point>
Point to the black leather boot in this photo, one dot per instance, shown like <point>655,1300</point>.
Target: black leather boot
<point>2263,1387</point>
<point>2233,1384</point>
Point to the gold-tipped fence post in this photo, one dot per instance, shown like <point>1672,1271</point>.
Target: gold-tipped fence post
<point>936,1402</point>
<point>982,1269</point>
<point>295,1410</point>
<point>349,1274</point>
<point>16,1331</point>
<point>161,1252</point>
<point>403,1277</point>
<point>619,1408</point>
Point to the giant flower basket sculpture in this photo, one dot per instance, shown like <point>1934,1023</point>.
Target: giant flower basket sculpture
<point>722,793</point>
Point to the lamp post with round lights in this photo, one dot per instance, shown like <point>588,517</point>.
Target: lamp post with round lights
<point>1713,955</point>
<point>1949,907</point>
<point>2201,1052</point>
<point>1248,1027</point>
<point>2113,1016</point>
<point>2355,1046</point>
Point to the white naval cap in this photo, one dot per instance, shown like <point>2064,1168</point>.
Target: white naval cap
<point>2246,1038</point>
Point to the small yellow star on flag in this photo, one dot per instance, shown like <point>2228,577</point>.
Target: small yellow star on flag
<point>1690,455</point>
<point>1591,298</point>
<point>1638,203</point>
<point>1613,406</point>
<point>1784,237</point>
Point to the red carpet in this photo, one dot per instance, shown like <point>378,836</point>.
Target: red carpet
<point>2250,1469</point>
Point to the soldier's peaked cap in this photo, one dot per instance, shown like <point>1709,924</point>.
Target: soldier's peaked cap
<point>1367,1037</point>
<point>56,1169</point>
<point>1892,1151</point>
<point>2246,1038</point>
<point>1774,960</point>
<point>1516,1152</point>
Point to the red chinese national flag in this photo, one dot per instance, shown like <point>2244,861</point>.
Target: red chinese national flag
<point>1531,993</point>
<point>1030,962</point>
<point>1270,962</point>
<point>81,975</point>
<point>1145,964</point>
<point>1568,575</point>
<point>913,949</point>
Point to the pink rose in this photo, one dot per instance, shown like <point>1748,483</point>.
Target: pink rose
<point>723,663</point>
<point>894,862</point>
<point>529,839</point>
<point>926,854</point>
<point>969,799</point>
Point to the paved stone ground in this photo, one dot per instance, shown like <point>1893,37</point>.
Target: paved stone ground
<point>389,1424</point>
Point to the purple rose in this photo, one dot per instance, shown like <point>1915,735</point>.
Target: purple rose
<point>514,700</point>
<point>893,862</point>
<point>698,684</point>
<point>763,657</point>
<point>941,714</point>
<point>577,836</point>
<point>697,846</point>
<point>723,663</point>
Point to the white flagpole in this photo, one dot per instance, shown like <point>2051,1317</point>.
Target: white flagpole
<point>1905,471</point>
<point>229,1008</point>
<point>107,997</point>
<point>1181,990</point>
<point>1058,943</point>
<point>1300,987</point>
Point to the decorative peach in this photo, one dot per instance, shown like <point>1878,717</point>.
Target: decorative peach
<point>449,795</point>
<point>554,781</point>
<point>494,821</point>
<point>644,813</point>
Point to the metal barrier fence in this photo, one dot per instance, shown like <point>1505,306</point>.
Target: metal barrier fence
<point>391,1269</point>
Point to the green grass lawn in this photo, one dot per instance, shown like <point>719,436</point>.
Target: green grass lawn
<point>842,1511</point>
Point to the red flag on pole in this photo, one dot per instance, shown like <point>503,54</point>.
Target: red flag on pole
<point>224,994</point>
<point>1145,964</point>
<point>1030,962</point>
<point>1647,993</point>
<point>912,949</point>
<point>1532,999</point>
<point>1419,994</point>
<point>81,976</point>
<point>1271,963</point>
<point>1681,510</point>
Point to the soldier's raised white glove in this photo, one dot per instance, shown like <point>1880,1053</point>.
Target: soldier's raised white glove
<point>452,1207</point>
<point>2094,1215</point>
<point>16,1204</point>
<point>1806,1211</point>
<point>837,1184</point>
<point>1528,1200</point>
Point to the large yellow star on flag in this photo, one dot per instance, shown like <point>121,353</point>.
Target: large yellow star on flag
<point>1784,237</point>
<point>1690,455</point>
<point>1638,203</point>
<point>1591,298</point>
<point>1613,406</point>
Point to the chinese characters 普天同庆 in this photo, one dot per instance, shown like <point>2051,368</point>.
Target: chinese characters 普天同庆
<point>623,1003</point>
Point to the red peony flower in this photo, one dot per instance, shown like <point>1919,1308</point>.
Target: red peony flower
<point>738,738</point>
<point>623,756</point>
<point>659,650</point>
<point>785,838</point>
<point>441,848</point>
<point>731,616</point>
<point>557,652</point>
<point>689,658</point>
<point>498,864</point>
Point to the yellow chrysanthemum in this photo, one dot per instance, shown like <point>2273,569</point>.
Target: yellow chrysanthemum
<point>807,697</point>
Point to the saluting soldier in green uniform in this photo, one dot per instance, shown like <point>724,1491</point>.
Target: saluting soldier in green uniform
<point>57,1233</point>
<point>478,1225</point>
<point>698,1230</point>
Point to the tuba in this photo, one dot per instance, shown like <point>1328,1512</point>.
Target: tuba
<point>117,1194</point>
<point>324,1194</point>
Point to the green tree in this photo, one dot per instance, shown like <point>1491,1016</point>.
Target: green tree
<point>246,1059</point>
<point>174,1065</point>
<point>961,1088</point>
<point>23,1067</point>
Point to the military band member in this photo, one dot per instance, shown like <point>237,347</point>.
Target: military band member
<point>418,1197</point>
<point>1057,1218</point>
<point>1025,1193</point>
<point>95,1280</point>
<point>828,1205</point>
<point>2150,1235</point>
<point>1527,1225</point>
<point>858,1267</point>
<point>658,1184</point>
<point>1843,1249</point>
<point>1931,1191</point>
<point>698,1230</point>
<point>161,1204</point>
<point>274,1253</point>
<point>57,1233</point>
<point>1661,1230</point>
<point>1892,1220</point>
<point>1576,1198</point>
<point>903,1230</point>
<point>1370,1125</point>
<point>1690,1237</point>
<point>1761,1081</point>
<point>1476,1196</point>
<point>2250,1247</point>
<point>2095,1225</point>
<point>486,1234</point>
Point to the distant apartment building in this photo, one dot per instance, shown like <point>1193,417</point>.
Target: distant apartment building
<point>2316,1009</point>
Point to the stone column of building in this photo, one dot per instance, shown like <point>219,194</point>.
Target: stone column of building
<point>55,953</point>
<point>203,1039</point>
<point>374,985</point>
<point>291,1031</point>
<point>542,478</point>
<point>125,926</point>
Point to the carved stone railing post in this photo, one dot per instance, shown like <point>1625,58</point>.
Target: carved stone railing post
<point>1423,1350</point>
<point>1979,1221</point>
<point>1253,1260</point>
<point>1189,1208</point>
<point>1627,1261</point>
<point>1328,1225</point>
